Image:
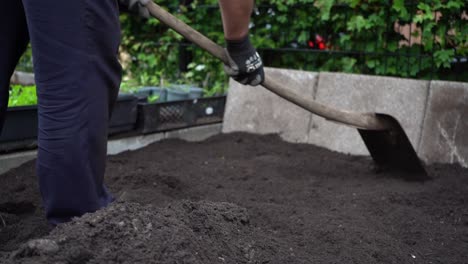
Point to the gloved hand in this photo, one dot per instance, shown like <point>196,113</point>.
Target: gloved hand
<point>245,65</point>
<point>136,7</point>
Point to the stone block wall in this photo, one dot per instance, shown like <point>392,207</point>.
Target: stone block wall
<point>434,114</point>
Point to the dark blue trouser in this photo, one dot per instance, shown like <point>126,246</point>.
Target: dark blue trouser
<point>75,44</point>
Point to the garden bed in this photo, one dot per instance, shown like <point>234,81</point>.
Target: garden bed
<point>241,198</point>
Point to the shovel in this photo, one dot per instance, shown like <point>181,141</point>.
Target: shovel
<point>383,135</point>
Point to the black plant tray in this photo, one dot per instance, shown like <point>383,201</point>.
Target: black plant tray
<point>20,124</point>
<point>158,117</point>
<point>124,115</point>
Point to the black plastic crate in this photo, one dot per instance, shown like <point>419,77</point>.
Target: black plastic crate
<point>20,124</point>
<point>157,117</point>
<point>206,110</point>
<point>124,115</point>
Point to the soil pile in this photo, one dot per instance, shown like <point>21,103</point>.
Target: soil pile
<point>241,198</point>
<point>184,232</point>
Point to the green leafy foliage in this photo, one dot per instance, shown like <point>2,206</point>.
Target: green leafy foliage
<point>25,63</point>
<point>362,36</point>
<point>155,50</point>
<point>417,39</point>
<point>22,96</point>
<point>152,98</point>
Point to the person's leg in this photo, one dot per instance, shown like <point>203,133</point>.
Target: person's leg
<point>75,45</point>
<point>13,42</point>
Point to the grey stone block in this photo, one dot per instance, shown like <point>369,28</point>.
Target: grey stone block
<point>257,110</point>
<point>11,161</point>
<point>23,78</point>
<point>132,143</point>
<point>404,99</point>
<point>195,133</point>
<point>445,131</point>
<point>190,134</point>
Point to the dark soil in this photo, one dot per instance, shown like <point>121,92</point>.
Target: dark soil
<point>241,198</point>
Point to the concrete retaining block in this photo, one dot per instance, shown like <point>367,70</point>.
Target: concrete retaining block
<point>402,98</point>
<point>257,110</point>
<point>195,133</point>
<point>23,78</point>
<point>117,146</point>
<point>445,132</point>
<point>11,161</point>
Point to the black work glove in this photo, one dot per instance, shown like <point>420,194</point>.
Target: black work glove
<point>245,65</point>
<point>135,6</point>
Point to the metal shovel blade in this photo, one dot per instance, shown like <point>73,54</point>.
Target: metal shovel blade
<point>391,150</point>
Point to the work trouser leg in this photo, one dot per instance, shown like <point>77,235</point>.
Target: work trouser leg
<point>13,42</point>
<point>75,45</point>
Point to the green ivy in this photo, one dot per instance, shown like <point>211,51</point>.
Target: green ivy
<point>361,36</point>
<point>155,49</point>
<point>360,39</point>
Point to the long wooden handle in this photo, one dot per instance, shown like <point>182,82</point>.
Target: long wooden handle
<point>368,121</point>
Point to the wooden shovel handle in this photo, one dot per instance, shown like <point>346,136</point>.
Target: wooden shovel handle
<point>367,121</point>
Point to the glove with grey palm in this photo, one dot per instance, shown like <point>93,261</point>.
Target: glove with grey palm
<point>135,7</point>
<point>245,65</point>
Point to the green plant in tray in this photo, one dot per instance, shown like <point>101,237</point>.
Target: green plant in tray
<point>153,98</point>
<point>22,96</point>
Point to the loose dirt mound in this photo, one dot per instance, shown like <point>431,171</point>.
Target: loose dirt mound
<point>304,204</point>
<point>184,232</point>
